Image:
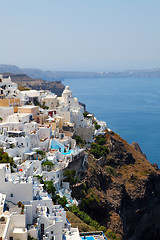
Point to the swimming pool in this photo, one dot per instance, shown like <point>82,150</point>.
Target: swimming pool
<point>66,153</point>
<point>56,145</point>
<point>88,238</point>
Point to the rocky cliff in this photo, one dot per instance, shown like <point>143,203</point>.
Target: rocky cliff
<point>122,191</point>
<point>27,82</point>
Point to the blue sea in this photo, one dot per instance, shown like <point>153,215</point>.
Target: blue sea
<point>130,107</point>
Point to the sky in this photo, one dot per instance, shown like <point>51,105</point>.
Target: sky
<point>80,35</point>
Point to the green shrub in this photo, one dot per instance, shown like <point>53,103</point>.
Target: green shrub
<point>49,187</point>
<point>49,165</point>
<point>5,158</point>
<point>79,140</point>
<point>96,125</point>
<point>37,103</point>
<point>41,154</point>
<point>86,218</point>
<point>62,201</point>
<point>40,178</point>
<point>98,150</point>
<point>110,234</point>
<point>85,114</point>
<point>70,176</point>
<point>100,139</point>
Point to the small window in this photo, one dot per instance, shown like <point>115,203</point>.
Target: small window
<point>51,232</point>
<point>2,219</point>
<point>11,194</point>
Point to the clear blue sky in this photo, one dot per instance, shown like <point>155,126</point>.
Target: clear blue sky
<point>93,35</point>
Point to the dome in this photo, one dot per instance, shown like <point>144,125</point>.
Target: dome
<point>67,90</point>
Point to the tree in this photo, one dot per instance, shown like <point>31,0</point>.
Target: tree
<point>40,178</point>
<point>5,158</point>
<point>70,176</point>
<point>49,187</point>
<point>98,150</point>
<point>100,139</point>
<point>79,140</point>
<point>41,153</point>
<point>49,165</point>
<point>96,125</point>
<point>63,201</point>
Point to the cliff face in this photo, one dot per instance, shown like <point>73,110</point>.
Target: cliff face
<point>140,216</point>
<point>122,191</point>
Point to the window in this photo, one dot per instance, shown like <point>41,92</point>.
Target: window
<point>52,232</point>
<point>10,238</point>
<point>42,229</point>
<point>11,194</point>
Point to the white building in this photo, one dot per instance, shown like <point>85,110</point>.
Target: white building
<point>6,111</point>
<point>15,186</point>
<point>8,88</point>
<point>29,96</point>
<point>13,226</point>
<point>71,111</point>
<point>48,99</point>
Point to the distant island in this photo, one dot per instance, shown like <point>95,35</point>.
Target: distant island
<point>61,75</point>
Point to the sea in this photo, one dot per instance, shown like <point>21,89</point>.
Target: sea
<point>129,106</point>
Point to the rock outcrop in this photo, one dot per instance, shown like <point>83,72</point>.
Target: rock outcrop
<point>123,191</point>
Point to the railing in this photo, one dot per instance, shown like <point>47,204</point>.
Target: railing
<point>93,233</point>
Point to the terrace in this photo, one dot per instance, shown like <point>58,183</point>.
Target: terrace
<point>15,134</point>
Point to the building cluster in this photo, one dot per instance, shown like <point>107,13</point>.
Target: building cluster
<point>37,128</point>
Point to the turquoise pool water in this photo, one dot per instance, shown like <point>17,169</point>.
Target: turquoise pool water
<point>88,238</point>
<point>60,147</point>
<point>66,153</point>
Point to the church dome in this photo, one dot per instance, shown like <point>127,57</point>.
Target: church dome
<point>67,91</point>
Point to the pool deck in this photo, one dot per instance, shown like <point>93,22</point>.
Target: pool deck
<point>93,235</point>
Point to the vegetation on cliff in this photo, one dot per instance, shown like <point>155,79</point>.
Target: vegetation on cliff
<point>120,190</point>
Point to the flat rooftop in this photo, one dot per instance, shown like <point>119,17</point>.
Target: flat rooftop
<point>29,106</point>
<point>18,115</point>
<point>19,230</point>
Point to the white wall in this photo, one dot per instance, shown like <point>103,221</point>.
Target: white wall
<point>21,191</point>
<point>6,111</point>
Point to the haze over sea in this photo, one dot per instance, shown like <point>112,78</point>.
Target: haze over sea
<point>130,107</point>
